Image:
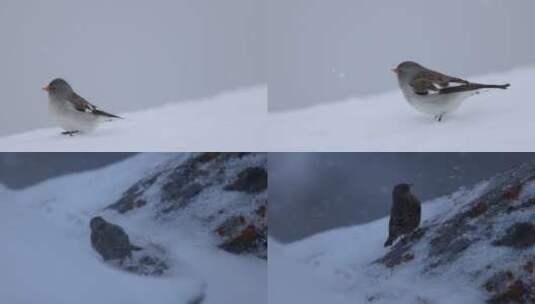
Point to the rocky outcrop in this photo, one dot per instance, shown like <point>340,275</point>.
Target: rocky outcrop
<point>225,191</point>
<point>250,180</point>
<point>519,236</point>
<point>497,222</point>
<point>242,234</point>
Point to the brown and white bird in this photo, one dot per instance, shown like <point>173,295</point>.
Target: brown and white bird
<point>433,93</point>
<point>405,213</point>
<point>73,113</point>
<point>110,240</point>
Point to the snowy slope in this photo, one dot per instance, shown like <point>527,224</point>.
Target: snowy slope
<point>452,258</point>
<point>233,121</point>
<point>493,121</point>
<point>47,256</point>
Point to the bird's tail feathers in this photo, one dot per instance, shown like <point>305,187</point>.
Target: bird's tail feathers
<point>105,114</point>
<point>389,241</point>
<point>492,86</point>
<point>472,87</point>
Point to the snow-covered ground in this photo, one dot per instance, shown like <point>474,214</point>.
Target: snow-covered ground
<point>338,266</point>
<point>46,255</point>
<point>492,121</point>
<point>232,121</point>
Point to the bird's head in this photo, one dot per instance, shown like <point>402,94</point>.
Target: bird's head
<point>58,87</point>
<point>401,189</point>
<point>97,223</point>
<point>407,68</point>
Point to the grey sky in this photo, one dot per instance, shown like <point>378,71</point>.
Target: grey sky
<point>323,51</point>
<point>125,55</point>
<point>312,192</point>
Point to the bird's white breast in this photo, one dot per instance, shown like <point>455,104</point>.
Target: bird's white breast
<point>69,118</point>
<point>434,104</point>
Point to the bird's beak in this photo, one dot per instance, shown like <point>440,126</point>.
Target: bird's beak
<point>46,88</point>
<point>394,70</point>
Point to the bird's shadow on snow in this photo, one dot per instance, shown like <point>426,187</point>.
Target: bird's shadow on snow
<point>103,131</point>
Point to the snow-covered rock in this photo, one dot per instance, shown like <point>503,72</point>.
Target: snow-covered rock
<point>227,192</point>
<point>474,245</point>
<point>47,255</point>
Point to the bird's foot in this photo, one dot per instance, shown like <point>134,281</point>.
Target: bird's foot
<point>70,133</point>
<point>439,117</point>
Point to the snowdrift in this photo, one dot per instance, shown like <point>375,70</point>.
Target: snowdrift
<point>47,257</point>
<point>492,121</point>
<point>233,121</point>
<point>474,245</point>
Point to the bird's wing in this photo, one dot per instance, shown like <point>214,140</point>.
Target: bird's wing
<point>95,239</point>
<point>430,82</point>
<point>120,236</point>
<point>80,104</point>
<point>398,213</point>
<point>417,209</point>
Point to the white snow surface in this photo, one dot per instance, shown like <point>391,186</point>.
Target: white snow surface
<point>47,256</point>
<point>231,121</point>
<point>337,266</point>
<point>495,120</point>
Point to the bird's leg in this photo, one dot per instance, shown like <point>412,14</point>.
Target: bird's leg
<point>70,133</point>
<point>439,117</point>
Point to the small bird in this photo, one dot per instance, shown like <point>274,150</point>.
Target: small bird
<point>110,240</point>
<point>73,113</point>
<point>405,213</point>
<point>434,93</point>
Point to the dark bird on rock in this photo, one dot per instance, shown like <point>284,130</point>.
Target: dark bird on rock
<point>110,240</point>
<point>405,213</point>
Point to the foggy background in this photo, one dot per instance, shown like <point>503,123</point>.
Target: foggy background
<point>324,51</point>
<point>125,55</point>
<point>21,170</point>
<point>313,192</point>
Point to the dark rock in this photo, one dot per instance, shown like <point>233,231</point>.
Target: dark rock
<point>478,210</point>
<point>231,226</point>
<point>148,266</point>
<point>449,242</point>
<point>530,265</point>
<point>530,203</point>
<point>517,292</point>
<point>261,211</point>
<point>181,196</point>
<point>512,192</point>
<point>506,287</point>
<point>519,236</point>
<point>498,281</point>
<point>249,240</point>
<point>151,261</point>
<point>251,180</point>
<point>128,204</point>
<point>132,198</point>
<point>207,156</point>
<point>182,185</point>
